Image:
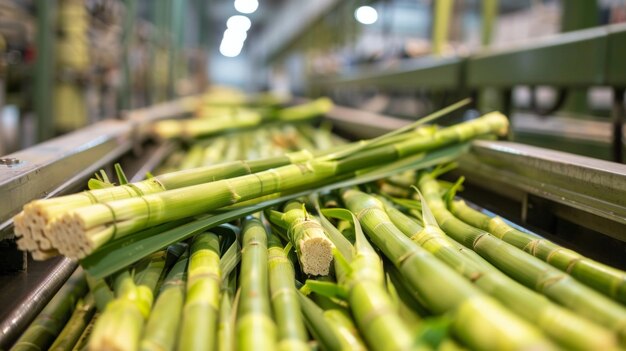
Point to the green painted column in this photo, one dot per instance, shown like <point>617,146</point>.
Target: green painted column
<point>128,34</point>
<point>44,68</point>
<point>578,14</point>
<point>489,12</point>
<point>441,25</point>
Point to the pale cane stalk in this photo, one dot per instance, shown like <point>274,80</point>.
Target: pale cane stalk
<point>76,325</point>
<point>121,324</point>
<point>163,324</point>
<point>363,279</point>
<point>44,329</point>
<point>608,280</point>
<point>326,335</point>
<point>255,328</point>
<point>306,234</point>
<point>479,321</point>
<point>527,269</point>
<point>101,292</point>
<point>292,334</point>
<point>88,228</point>
<point>564,327</point>
<point>31,224</point>
<point>226,324</point>
<point>199,321</point>
<point>227,313</point>
<point>338,318</point>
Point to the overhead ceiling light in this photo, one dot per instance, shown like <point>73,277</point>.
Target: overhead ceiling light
<point>235,35</point>
<point>239,23</point>
<point>246,6</point>
<point>230,48</point>
<point>366,15</point>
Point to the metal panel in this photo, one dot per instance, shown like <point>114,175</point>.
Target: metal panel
<point>571,59</point>
<point>430,72</point>
<point>616,60</point>
<point>593,186</point>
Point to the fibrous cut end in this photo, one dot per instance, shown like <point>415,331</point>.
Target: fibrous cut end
<point>316,255</point>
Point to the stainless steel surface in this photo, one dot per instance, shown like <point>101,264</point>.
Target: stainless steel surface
<point>29,306</point>
<point>594,186</point>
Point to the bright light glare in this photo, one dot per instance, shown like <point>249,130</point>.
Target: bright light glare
<point>239,23</point>
<point>246,6</point>
<point>235,35</point>
<point>366,15</point>
<point>230,48</point>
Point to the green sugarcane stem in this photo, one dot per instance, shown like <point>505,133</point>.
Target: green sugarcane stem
<point>199,323</point>
<point>101,292</point>
<point>371,306</point>
<point>564,327</point>
<point>255,328</point>
<point>104,222</point>
<point>43,212</point>
<point>225,329</point>
<point>328,337</point>
<point>525,268</point>
<point>410,317</point>
<point>83,341</point>
<point>606,279</point>
<point>76,325</point>
<point>305,111</point>
<point>46,327</point>
<point>307,235</point>
<point>338,317</point>
<point>162,326</point>
<point>343,325</point>
<point>121,324</point>
<point>292,333</point>
<point>479,321</point>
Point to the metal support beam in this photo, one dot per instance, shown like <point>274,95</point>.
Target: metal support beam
<point>44,67</point>
<point>618,116</point>
<point>128,33</point>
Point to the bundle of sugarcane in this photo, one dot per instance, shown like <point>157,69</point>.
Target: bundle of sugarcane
<point>359,275</point>
<point>206,161</point>
<point>44,225</point>
<point>238,119</point>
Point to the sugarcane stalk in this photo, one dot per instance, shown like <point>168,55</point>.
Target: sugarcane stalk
<point>227,313</point>
<point>197,127</point>
<point>255,328</point>
<point>121,324</point>
<point>85,229</point>
<point>327,336</point>
<point>200,312</point>
<point>82,342</point>
<point>225,329</point>
<point>314,249</point>
<point>479,321</point>
<point>337,317</point>
<point>292,333</point>
<point>527,269</point>
<point>566,328</point>
<point>162,326</point>
<point>76,325</point>
<point>101,292</point>
<point>362,277</point>
<point>606,279</point>
<point>31,223</point>
<point>50,322</point>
